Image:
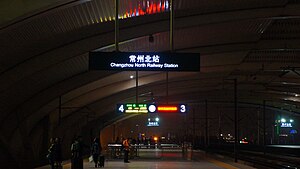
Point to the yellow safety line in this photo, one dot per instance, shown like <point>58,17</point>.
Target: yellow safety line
<point>220,163</point>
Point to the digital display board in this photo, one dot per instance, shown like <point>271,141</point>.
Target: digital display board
<point>144,61</point>
<point>151,108</point>
<point>132,108</point>
<point>178,108</point>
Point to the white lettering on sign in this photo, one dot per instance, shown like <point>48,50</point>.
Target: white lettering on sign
<point>154,65</point>
<point>139,65</point>
<point>144,58</point>
<point>155,58</point>
<point>286,125</point>
<point>144,61</point>
<point>132,58</point>
<point>140,58</point>
<point>182,108</point>
<point>125,65</point>
<point>153,123</point>
<point>170,65</point>
<point>148,59</point>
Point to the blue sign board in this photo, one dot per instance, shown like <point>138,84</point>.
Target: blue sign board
<point>144,61</point>
<point>153,124</point>
<point>286,125</point>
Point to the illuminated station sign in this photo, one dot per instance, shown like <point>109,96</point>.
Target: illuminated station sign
<point>167,108</point>
<point>143,61</point>
<point>132,108</point>
<point>151,108</point>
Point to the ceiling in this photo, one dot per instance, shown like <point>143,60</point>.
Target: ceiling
<point>44,56</point>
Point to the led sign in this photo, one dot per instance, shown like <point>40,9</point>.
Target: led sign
<point>143,61</point>
<point>167,108</point>
<point>286,125</point>
<point>132,108</point>
<point>180,108</point>
<point>151,108</point>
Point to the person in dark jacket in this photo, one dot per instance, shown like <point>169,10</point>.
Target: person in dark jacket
<point>51,153</point>
<point>57,153</point>
<point>95,151</point>
<point>76,150</point>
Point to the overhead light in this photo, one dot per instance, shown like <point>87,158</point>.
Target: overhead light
<point>131,76</point>
<point>296,95</point>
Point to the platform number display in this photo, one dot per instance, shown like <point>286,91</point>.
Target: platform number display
<point>139,108</point>
<point>142,108</point>
<point>182,108</point>
<point>121,108</point>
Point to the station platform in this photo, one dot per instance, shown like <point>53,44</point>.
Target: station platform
<point>156,159</point>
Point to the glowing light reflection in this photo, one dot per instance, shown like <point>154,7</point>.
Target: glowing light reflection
<point>146,9</point>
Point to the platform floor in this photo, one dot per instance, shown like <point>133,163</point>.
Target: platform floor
<point>164,160</point>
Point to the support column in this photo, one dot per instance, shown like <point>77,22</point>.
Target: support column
<point>235,122</point>
<point>194,128</point>
<point>136,87</point>
<point>206,125</point>
<point>172,25</point>
<point>258,128</point>
<point>171,44</point>
<point>264,125</point>
<point>117,25</point>
<point>59,111</point>
<point>219,129</point>
<point>114,133</point>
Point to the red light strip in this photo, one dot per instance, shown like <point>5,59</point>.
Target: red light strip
<point>167,109</point>
<point>148,8</point>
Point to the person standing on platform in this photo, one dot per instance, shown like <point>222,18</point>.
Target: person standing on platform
<point>126,150</point>
<point>58,156</point>
<point>95,150</point>
<point>51,153</point>
<point>76,149</point>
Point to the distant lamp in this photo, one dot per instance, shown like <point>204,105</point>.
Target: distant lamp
<point>291,120</point>
<point>283,120</point>
<point>156,119</point>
